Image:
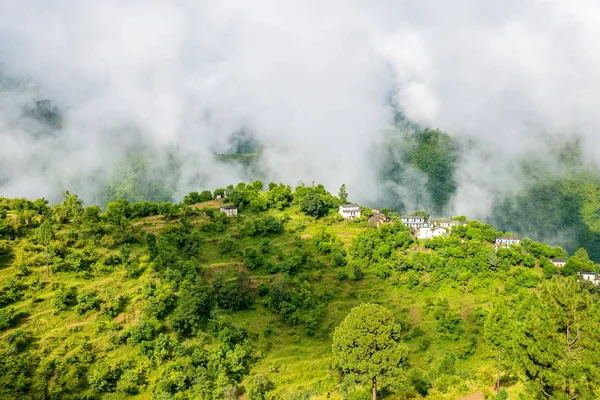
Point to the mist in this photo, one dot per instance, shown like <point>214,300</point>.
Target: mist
<point>316,83</point>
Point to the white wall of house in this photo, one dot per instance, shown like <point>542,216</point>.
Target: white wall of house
<point>425,233</point>
<point>229,211</point>
<point>349,211</point>
<point>439,232</point>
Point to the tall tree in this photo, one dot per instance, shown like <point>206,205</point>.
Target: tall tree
<point>343,194</point>
<point>556,341</point>
<point>497,331</point>
<point>45,234</point>
<point>367,344</point>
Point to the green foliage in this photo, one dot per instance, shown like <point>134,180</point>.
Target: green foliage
<point>87,301</point>
<point>166,307</point>
<point>259,387</point>
<point>556,338</point>
<point>343,194</point>
<point>434,154</point>
<point>367,344</point>
<point>64,298</point>
<point>314,201</point>
<point>195,197</point>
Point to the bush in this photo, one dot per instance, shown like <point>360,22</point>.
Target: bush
<point>258,387</point>
<point>87,301</point>
<point>357,273</point>
<point>64,298</point>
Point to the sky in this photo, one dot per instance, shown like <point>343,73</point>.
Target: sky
<point>315,81</point>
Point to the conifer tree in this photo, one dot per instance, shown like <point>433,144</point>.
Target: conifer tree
<point>343,194</point>
<point>556,342</point>
<point>497,331</point>
<point>367,344</point>
<point>45,234</point>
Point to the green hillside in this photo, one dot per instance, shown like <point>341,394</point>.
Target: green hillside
<point>179,301</point>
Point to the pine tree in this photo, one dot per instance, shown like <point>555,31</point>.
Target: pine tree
<point>497,331</point>
<point>45,234</point>
<point>343,194</point>
<point>556,342</point>
<point>367,344</point>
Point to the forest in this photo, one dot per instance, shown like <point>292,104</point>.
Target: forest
<point>285,300</point>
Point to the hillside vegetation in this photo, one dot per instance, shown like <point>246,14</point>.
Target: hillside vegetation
<point>179,301</point>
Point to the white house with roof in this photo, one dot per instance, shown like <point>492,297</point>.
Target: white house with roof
<point>589,276</point>
<point>506,241</point>
<point>450,223</point>
<point>229,210</point>
<point>558,262</point>
<point>426,232</point>
<point>414,221</point>
<point>349,211</point>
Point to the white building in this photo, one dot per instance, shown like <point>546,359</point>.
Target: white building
<point>426,232</point>
<point>349,211</point>
<point>558,262</point>
<point>506,241</point>
<point>229,210</point>
<point>414,221</point>
<point>450,223</point>
<point>589,276</point>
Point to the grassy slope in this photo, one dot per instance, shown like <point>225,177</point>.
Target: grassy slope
<point>291,360</point>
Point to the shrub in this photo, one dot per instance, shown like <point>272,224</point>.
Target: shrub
<point>87,301</point>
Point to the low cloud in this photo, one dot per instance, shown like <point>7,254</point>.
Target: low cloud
<point>316,82</point>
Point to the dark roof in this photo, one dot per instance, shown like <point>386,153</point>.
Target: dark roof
<point>414,216</point>
<point>228,208</point>
<point>587,273</point>
<point>507,238</point>
<point>349,205</point>
<point>558,260</point>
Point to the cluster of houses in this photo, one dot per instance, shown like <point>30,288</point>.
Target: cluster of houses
<point>425,229</point>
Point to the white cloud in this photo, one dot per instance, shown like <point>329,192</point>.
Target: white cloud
<point>310,78</point>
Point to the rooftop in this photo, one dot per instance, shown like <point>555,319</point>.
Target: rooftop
<point>507,238</point>
<point>228,208</point>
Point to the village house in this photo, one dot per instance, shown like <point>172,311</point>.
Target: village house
<point>229,210</point>
<point>506,241</point>
<point>414,221</point>
<point>589,276</point>
<point>349,211</point>
<point>558,262</point>
<point>219,197</point>
<point>377,219</point>
<point>450,223</point>
<point>426,232</point>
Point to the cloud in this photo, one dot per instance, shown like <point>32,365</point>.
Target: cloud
<point>310,79</point>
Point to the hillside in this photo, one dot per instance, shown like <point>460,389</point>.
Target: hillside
<point>165,301</point>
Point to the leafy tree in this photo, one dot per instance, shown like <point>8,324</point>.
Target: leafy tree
<point>45,235</point>
<point>195,197</point>
<point>71,208</point>
<point>259,387</point>
<point>367,344</point>
<point>279,196</point>
<point>556,341</point>
<point>314,205</point>
<point>497,331</point>
<point>343,194</point>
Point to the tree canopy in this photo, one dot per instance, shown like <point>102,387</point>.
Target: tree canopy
<point>367,344</point>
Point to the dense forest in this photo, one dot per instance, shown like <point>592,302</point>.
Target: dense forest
<point>285,300</point>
